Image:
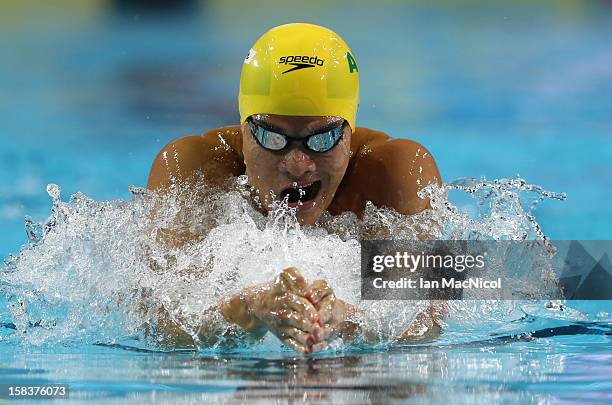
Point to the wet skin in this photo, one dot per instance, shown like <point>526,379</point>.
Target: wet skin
<point>366,165</point>
<point>271,172</point>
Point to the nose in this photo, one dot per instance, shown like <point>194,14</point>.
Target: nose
<point>296,164</point>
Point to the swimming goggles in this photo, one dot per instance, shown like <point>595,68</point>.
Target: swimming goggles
<point>319,142</point>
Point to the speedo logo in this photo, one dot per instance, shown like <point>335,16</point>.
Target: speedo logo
<point>300,62</point>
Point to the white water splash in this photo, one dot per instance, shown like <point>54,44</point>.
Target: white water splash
<point>91,267</point>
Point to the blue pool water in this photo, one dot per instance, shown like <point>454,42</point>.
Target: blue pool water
<point>89,95</point>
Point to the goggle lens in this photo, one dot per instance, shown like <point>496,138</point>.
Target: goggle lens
<point>271,140</point>
<point>321,142</point>
<point>324,141</point>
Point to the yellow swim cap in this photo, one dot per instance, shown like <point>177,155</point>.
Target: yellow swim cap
<point>300,69</point>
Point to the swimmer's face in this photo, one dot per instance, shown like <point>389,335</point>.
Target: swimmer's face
<point>296,172</point>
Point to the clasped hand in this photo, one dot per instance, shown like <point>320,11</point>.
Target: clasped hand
<point>305,317</point>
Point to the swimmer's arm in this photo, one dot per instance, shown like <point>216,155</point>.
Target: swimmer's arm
<point>408,168</point>
<point>414,168</point>
<point>277,306</point>
<point>218,328</point>
<point>427,324</point>
<point>216,153</point>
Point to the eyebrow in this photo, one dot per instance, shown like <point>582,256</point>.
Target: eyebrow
<point>271,127</point>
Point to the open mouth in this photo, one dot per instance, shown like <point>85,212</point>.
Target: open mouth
<point>301,194</point>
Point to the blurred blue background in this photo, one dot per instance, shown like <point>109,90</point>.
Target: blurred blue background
<point>91,90</point>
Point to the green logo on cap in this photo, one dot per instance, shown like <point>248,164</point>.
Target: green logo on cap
<point>351,62</point>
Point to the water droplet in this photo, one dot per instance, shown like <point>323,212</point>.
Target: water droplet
<point>54,192</point>
<point>242,180</point>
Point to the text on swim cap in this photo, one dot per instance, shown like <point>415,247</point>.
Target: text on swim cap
<point>312,60</point>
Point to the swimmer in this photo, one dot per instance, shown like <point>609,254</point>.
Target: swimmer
<point>298,141</point>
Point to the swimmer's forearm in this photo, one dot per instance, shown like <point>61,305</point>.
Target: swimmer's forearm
<point>358,325</point>
<point>217,329</point>
<point>235,310</point>
<point>227,331</point>
<point>350,328</point>
<point>424,327</point>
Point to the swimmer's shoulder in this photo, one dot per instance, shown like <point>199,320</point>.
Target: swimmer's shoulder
<point>364,136</point>
<point>229,137</point>
<point>372,144</point>
<point>390,171</point>
<point>216,152</point>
